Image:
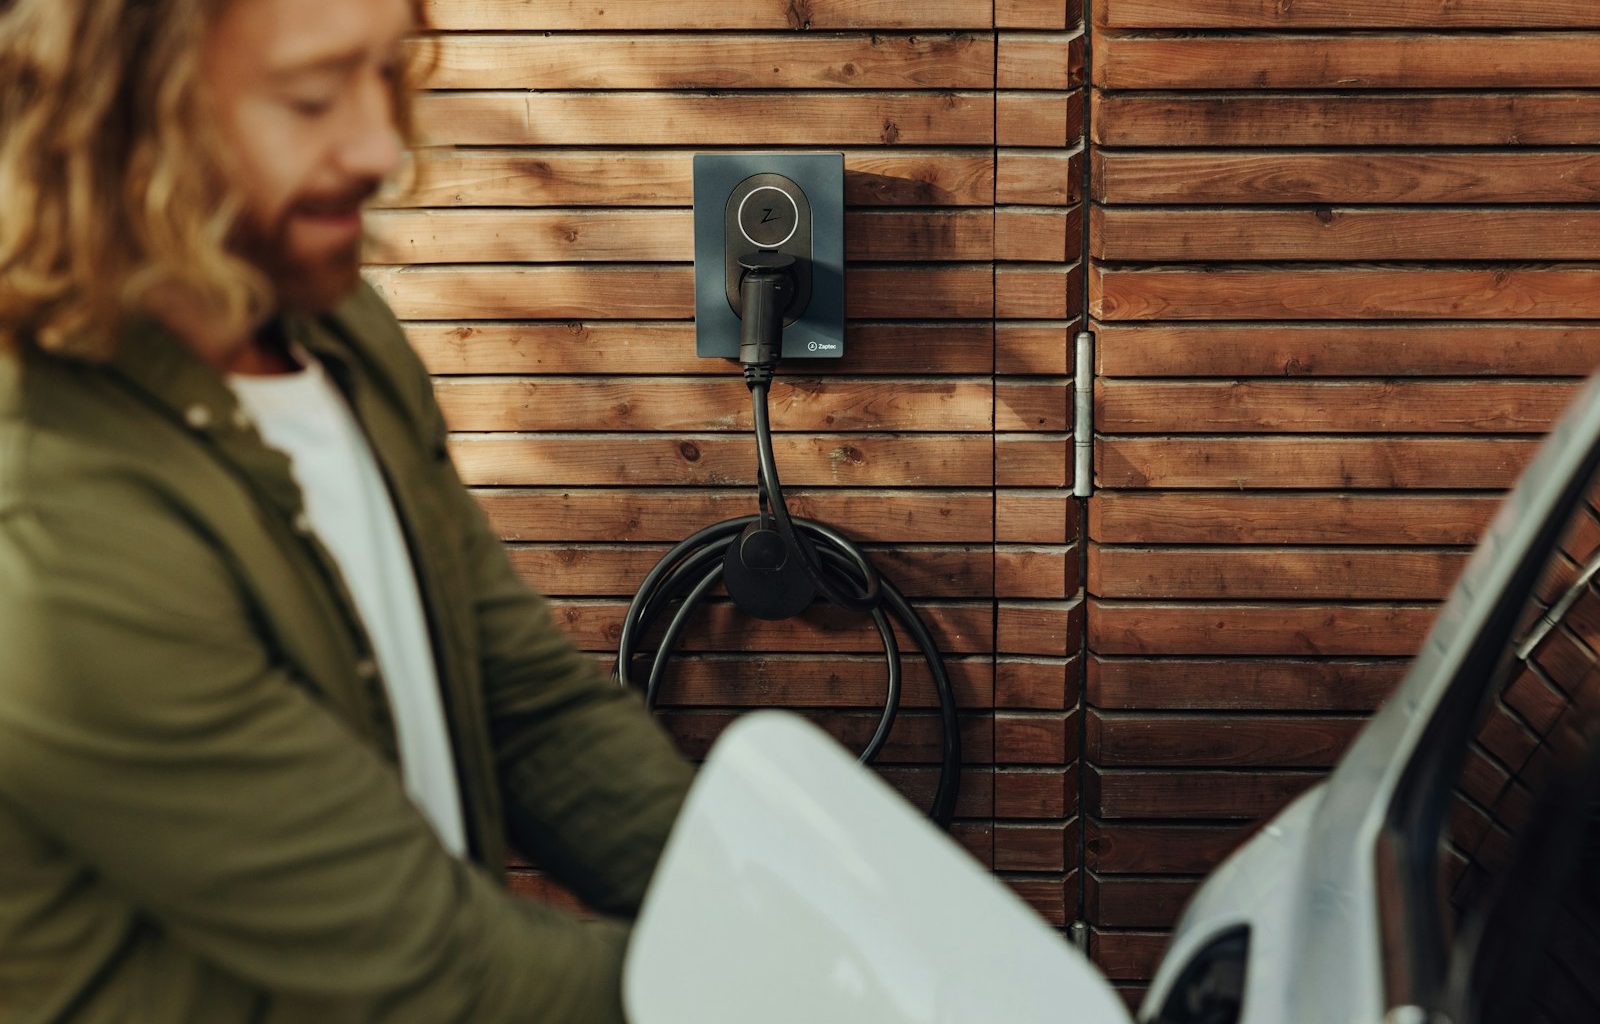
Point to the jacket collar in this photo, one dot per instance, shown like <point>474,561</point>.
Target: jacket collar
<point>166,372</point>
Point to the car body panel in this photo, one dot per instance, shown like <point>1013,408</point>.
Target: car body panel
<point>1321,959</point>
<point>799,888</point>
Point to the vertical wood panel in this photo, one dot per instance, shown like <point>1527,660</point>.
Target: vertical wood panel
<point>1312,302</point>
<point>1038,307</point>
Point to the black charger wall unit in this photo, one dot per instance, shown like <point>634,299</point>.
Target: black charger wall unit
<point>788,203</point>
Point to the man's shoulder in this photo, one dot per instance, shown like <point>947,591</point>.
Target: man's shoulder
<point>56,441</point>
<point>76,447</point>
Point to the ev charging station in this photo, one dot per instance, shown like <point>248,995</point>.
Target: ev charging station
<point>769,284</point>
<point>789,204</point>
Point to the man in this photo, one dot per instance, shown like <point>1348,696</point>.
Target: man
<point>272,700</point>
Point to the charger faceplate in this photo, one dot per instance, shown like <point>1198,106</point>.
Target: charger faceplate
<point>791,203</point>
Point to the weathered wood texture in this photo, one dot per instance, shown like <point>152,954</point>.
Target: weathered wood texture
<point>539,249</point>
<point>1343,277</point>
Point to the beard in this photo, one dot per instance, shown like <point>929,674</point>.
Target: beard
<point>304,282</point>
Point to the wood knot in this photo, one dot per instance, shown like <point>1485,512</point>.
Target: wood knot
<point>846,453</point>
<point>799,14</point>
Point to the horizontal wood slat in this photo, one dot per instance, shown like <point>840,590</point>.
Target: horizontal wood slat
<point>1042,176</point>
<point>1254,684</point>
<point>1368,176</point>
<point>1053,61</point>
<point>1142,903</point>
<point>1352,14</point>
<point>714,404</point>
<point>1043,119</point>
<point>1330,407</point>
<point>1148,849</point>
<point>664,177</point>
<point>1037,14</point>
<point>1044,683</point>
<point>702,61</point>
<point>1414,119</point>
<point>711,119</point>
<point>1378,463</point>
<point>1276,628</point>
<point>1340,233</point>
<point>1055,900</point>
<point>1127,956</point>
<point>707,14</point>
<point>668,348</point>
<point>1397,574</point>
<point>660,514</point>
<point>1120,740</point>
<point>854,460</point>
<point>1173,517</point>
<point>1337,350</point>
<point>666,291</point>
<point>1034,517</point>
<point>1349,61</point>
<point>1353,293</point>
<point>1196,795</point>
<point>570,236</point>
<point>1033,793</point>
<point>1033,847</point>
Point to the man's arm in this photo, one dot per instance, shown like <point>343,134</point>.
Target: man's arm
<point>592,783</point>
<point>144,727</point>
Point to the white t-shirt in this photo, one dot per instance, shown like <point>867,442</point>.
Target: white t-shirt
<point>303,415</point>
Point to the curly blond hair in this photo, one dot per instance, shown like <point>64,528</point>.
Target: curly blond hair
<point>110,181</point>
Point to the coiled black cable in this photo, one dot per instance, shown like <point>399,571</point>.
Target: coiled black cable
<point>841,573</point>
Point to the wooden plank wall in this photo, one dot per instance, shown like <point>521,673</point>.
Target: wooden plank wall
<point>541,260</point>
<point>1346,267</point>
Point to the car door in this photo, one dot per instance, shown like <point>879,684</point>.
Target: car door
<point>1489,860</point>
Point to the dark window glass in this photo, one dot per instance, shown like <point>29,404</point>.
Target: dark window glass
<point>1519,863</point>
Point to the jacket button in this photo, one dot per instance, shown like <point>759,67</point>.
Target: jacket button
<point>197,416</point>
<point>367,669</point>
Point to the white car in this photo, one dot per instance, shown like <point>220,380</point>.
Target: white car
<point>1446,871</point>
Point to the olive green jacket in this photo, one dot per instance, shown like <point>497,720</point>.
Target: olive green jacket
<point>201,817</point>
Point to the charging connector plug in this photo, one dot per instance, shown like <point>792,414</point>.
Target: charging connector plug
<point>765,291</point>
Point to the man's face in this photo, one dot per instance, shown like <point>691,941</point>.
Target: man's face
<point>303,91</point>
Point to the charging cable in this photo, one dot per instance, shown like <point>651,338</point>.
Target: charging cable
<point>774,565</point>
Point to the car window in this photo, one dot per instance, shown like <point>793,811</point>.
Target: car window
<point>1519,856</point>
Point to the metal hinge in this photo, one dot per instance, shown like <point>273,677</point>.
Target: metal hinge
<point>1078,935</point>
<point>1083,418</point>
